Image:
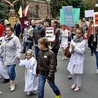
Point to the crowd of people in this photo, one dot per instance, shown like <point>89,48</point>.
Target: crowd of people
<point>41,55</point>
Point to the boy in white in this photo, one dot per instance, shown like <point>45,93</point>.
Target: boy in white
<point>64,40</point>
<point>31,81</point>
<point>75,66</point>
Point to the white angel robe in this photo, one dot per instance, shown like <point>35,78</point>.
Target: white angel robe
<point>31,81</point>
<point>3,68</point>
<point>64,38</point>
<point>76,62</point>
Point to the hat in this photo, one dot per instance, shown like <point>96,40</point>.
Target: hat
<point>6,22</point>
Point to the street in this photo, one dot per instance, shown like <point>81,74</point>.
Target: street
<point>89,87</point>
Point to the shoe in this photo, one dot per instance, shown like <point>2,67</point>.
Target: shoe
<point>73,86</point>
<point>6,80</point>
<point>62,58</point>
<point>28,93</point>
<point>97,71</point>
<point>58,96</point>
<point>69,77</point>
<point>76,89</point>
<point>34,92</point>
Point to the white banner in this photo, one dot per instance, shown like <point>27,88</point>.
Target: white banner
<point>89,13</point>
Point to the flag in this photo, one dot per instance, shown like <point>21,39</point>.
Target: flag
<point>24,22</point>
<point>20,11</point>
<point>25,11</point>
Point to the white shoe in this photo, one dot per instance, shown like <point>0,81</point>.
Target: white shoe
<point>76,89</point>
<point>62,58</point>
<point>97,71</point>
<point>73,86</point>
<point>35,92</point>
<point>28,93</point>
<point>12,87</point>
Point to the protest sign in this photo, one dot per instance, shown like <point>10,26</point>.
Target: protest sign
<point>50,33</point>
<point>76,15</point>
<point>95,19</point>
<point>68,15</point>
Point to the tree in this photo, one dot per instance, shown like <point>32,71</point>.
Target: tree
<point>55,6</point>
<point>82,4</point>
<point>3,11</point>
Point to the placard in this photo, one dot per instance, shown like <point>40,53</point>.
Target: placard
<point>89,13</point>
<point>68,15</point>
<point>95,19</point>
<point>50,33</point>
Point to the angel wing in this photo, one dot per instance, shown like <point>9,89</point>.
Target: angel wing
<point>7,2</point>
<point>14,2</point>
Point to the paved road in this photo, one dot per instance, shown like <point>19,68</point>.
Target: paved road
<point>89,82</point>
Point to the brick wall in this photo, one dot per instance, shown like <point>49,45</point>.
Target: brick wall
<point>38,9</point>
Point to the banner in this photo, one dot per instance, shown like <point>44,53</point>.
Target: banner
<point>62,21</point>
<point>89,13</point>
<point>76,13</point>
<point>24,22</point>
<point>50,33</point>
<point>95,19</point>
<point>68,15</point>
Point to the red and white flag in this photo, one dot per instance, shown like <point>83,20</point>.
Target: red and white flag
<point>25,11</point>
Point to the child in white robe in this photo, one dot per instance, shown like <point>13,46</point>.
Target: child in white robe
<point>64,40</point>
<point>31,81</point>
<point>3,68</point>
<point>76,63</point>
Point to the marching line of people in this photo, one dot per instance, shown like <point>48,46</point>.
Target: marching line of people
<point>40,66</point>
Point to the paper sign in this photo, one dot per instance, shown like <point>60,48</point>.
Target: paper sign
<point>89,13</point>
<point>50,33</point>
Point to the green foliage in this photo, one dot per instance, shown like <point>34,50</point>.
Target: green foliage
<point>55,6</point>
<point>82,4</point>
<point>3,11</point>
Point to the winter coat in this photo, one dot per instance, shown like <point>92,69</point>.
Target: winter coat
<point>10,48</point>
<point>46,63</point>
<point>76,61</point>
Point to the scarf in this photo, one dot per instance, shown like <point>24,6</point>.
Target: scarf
<point>78,40</point>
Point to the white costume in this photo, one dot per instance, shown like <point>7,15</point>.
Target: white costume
<point>76,62</point>
<point>31,81</point>
<point>64,38</point>
<point>3,68</point>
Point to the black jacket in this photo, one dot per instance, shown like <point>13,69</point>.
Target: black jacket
<point>46,63</point>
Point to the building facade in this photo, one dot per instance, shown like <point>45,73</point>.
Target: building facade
<point>38,8</point>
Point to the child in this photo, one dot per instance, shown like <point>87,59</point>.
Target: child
<point>3,68</point>
<point>64,40</point>
<point>46,68</point>
<point>75,66</point>
<point>30,72</point>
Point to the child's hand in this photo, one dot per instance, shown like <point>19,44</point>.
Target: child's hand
<point>18,57</point>
<point>36,75</point>
<point>73,47</point>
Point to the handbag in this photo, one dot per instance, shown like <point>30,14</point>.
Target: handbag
<point>67,52</point>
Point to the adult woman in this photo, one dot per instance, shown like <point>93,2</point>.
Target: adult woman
<point>10,51</point>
